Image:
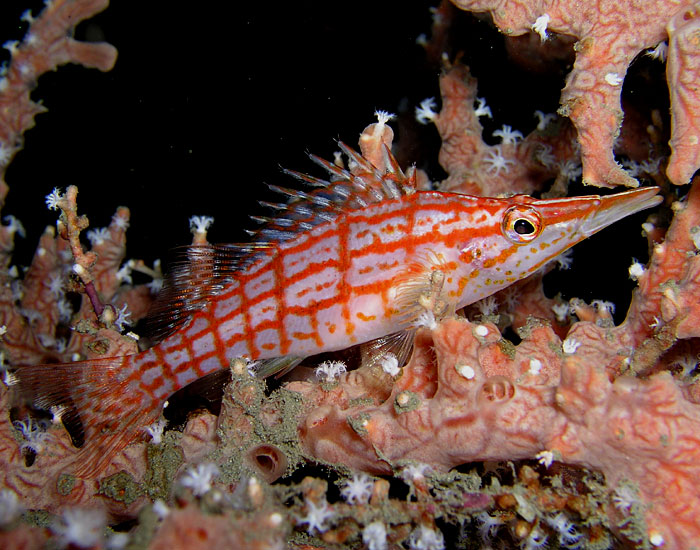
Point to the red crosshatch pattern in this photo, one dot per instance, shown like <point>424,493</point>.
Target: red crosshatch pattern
<point>336,285</point>
<point>309,295</point>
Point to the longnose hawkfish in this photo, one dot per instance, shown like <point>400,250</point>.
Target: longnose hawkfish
<point>361,257</point>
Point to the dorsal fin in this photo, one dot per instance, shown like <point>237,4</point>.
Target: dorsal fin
<point>358,186</point>
<point>202,271</point>
<point>198,273</point>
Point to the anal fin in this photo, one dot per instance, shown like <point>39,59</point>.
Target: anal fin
<point>278,366</point>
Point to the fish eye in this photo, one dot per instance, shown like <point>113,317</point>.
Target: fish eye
<point>521,224</point>
<point>523,227</point>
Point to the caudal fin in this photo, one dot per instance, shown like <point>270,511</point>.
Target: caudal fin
<point>99,401</point>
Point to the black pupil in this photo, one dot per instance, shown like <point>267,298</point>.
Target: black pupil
<point>523,227</point>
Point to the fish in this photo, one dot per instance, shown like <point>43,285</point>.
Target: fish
<point>363,256</point>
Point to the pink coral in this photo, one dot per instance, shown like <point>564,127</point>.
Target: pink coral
<point>46,483</point>
<point>48,45</point>
<point>611,34</point>
<point>501,408</point>
<point>473,166</point>
<point>190,528</point>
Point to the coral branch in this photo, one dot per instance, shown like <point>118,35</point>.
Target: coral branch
<point>517,165</point>
<point>47,45</point>
<point>611,34</point>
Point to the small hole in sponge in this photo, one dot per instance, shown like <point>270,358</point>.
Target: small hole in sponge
<point>497,389</point>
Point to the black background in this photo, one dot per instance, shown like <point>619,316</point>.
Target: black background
<point>205,103</point>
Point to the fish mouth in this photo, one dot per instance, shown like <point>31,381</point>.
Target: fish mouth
<point>615,207</point>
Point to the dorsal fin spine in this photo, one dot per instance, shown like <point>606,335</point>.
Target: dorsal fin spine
<point>390,188</point>
<point>305,178</point>
<point>206,270</point>
<point>331,168</point>
<point>391,163</point>
<point>285,190</point>
<point>358,159</point>
<point>273,205</point>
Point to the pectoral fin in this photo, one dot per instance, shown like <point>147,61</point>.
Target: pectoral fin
<point>419,292</point>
